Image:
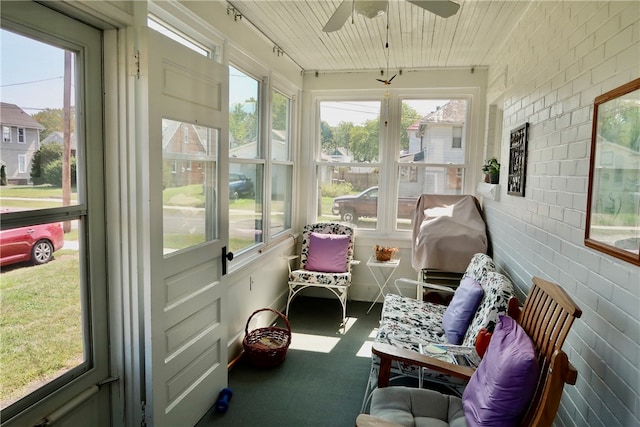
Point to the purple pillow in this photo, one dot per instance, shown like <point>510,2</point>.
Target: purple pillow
<point>461,309</point>
<point>501,389</point>
<point>328,252</point>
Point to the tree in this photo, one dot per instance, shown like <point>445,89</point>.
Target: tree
<point>51,119</point>
<point>327,141</point>
<point>622,124</point>
<point>409,116</point>
<point>342,134</point>
<point>52,173</point>
<point>46,155</point>
<point>365,141</point>
<point>279,110</point>
<point>243,126</point>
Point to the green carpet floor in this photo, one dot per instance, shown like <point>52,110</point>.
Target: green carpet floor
<point>322,380</point>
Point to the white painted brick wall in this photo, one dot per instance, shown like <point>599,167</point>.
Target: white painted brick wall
<point>559,58</point>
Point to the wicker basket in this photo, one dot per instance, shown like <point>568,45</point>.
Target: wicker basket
<point>266,347</point>
<point>384,253</point>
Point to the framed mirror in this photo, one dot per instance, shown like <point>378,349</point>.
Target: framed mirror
<point>613,199</point>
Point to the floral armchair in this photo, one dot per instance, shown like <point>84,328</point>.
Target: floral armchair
<point>326,259</point>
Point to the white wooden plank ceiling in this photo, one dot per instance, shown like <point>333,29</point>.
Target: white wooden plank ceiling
<point>418,39</point>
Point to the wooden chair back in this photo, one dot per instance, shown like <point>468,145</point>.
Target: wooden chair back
<point>547,315</point>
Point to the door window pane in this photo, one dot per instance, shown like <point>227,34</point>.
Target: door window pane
<point>46,146</point>
<point>43,335</point>
<point>189,184</point>
<point>42,331</point>
<point>53,291</point>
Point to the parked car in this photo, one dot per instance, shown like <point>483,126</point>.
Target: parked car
<point>240,186</point>
<point>365,204</point>
<point>35,243</point>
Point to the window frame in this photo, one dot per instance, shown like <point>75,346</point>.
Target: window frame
<point>6,134</point>
<point>267,83</point>
<point>272,163</point>
<point>390,146</point>
<point>22,163</point>
<point>42,24</point>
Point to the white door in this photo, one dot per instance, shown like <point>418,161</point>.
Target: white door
<point>185,328</point>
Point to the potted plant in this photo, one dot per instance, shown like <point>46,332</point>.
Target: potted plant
<point>491,169</point>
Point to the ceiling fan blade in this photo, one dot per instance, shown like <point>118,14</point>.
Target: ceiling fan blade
<point>394,76</point>
<point>442,8</point>
<point>339,17</point>
<point>382,81</point>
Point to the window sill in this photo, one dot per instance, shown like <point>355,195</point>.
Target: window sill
<point>489,191</point>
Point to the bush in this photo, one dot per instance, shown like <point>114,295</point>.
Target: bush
<point>52,173</point>
<point>336,189</point>
<point>47,154</point>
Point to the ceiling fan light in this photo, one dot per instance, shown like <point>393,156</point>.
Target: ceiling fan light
<point>371,9</point>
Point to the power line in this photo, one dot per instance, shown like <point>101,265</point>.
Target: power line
<point>28,83</point>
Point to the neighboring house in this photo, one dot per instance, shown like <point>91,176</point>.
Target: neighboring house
<point>20,140</point>
<point>437,138</point>
<point>58,138</point>
<point>183,145</point>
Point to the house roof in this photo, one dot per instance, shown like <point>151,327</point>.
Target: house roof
<point>453,112</point>
<point>12,115</point>
<point>57,137</point>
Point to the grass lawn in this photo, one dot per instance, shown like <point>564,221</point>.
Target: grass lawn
<point>40,323</point>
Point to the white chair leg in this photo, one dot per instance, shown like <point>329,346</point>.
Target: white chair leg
<point>289,298</point>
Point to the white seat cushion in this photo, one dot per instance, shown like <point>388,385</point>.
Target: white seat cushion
<point>306,277</point>
<point>417,407</point>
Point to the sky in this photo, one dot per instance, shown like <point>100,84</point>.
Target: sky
<point>31,73</point>
<point>359,112</point>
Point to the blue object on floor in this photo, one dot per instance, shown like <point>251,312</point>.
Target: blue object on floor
<point>222,404</point>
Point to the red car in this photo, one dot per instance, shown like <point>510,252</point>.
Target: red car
<point>35,243</point>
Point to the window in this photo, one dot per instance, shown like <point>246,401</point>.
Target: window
<point>175,35</point>
<point>54,329</point>
<point>245,162</point>
<point>188,216</point>
<point>22,163</point>
<point>260,161</point>
<point>432,156</point>
<point>6,134</point>
<point>457,137</point>
<point>281,164</point>
<point>348,162</point>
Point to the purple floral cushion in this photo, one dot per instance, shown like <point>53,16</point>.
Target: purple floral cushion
<point>328,253</point>
<point>461,309</point>
<point>502,387</point>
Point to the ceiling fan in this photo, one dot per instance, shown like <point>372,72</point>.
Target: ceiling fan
<point>373,8</point>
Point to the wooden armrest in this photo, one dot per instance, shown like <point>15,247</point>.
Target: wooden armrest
<point>389,353</point>
<point>572,374</point>
<point>366,420</point>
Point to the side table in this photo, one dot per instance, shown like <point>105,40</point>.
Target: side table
<point>376,267</point>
